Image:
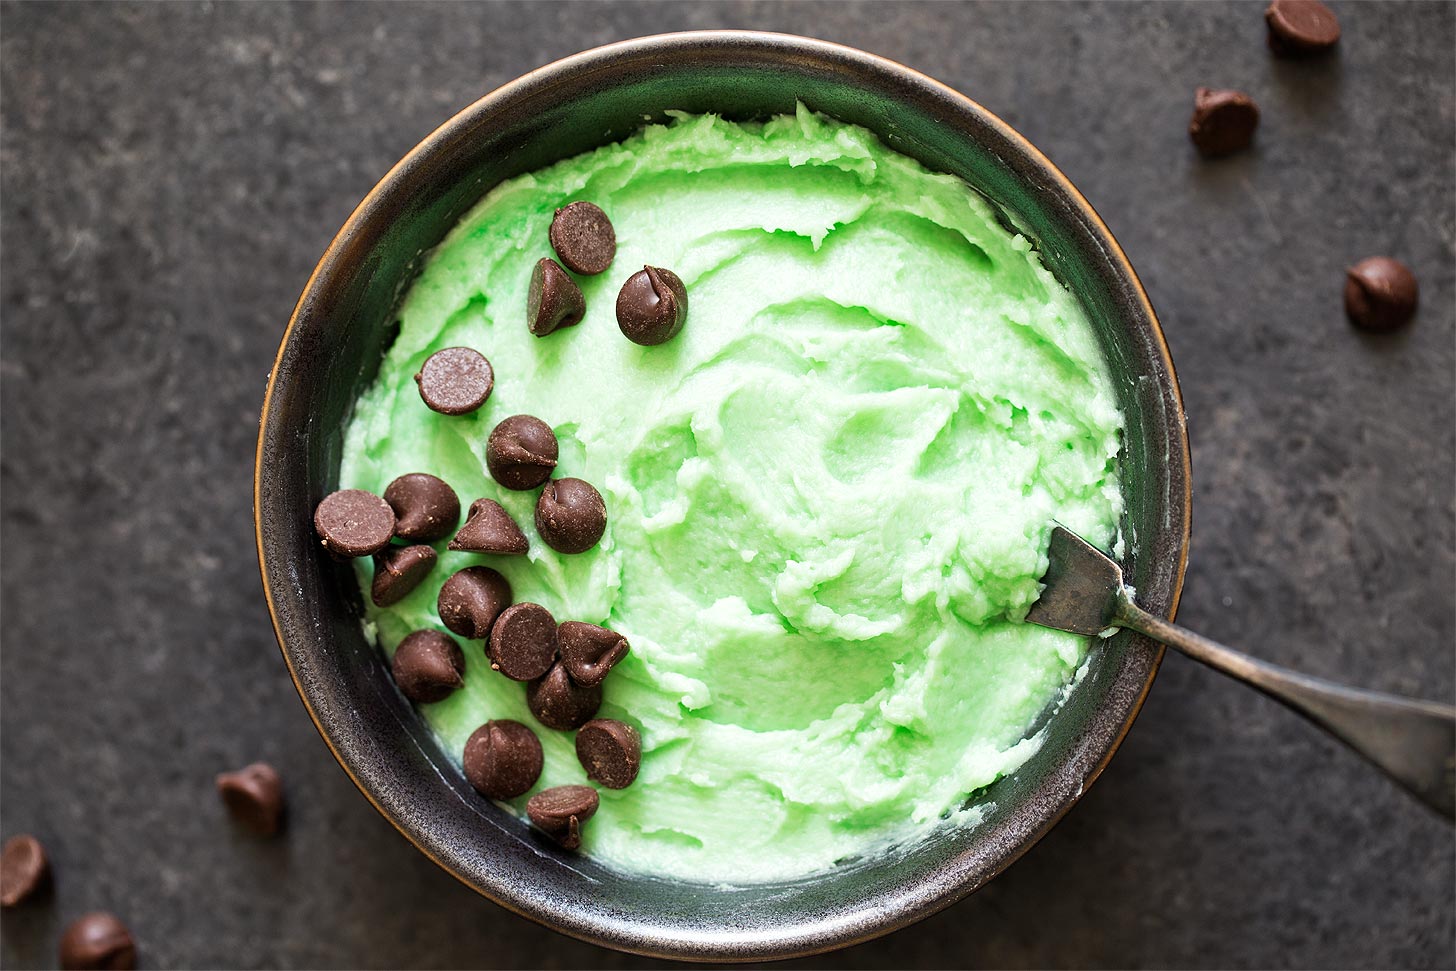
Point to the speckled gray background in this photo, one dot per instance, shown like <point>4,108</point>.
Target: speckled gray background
<point>170,175</point>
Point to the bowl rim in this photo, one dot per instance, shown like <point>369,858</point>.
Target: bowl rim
<point>904,908</point>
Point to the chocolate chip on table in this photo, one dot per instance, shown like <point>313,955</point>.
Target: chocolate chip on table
<point>428,666</point>
<point>352,523</point>
<point>582,235</point>
<point>1380,293</point>
<point>398,570</point>
<point>455,381</point>
<point>521,452</point>
<point>254,795</point>
<point>1299,28</point>
<point>610,751</point>
<point>522,643</point>
<point>471,600</point>
<point>560,811</point>
<point>560,703</point>
<point>1223,121</point>
<point>97,940</point>
<point>589,651</point>
<point>570,515</point>
<point>554,301</point>
<point>425,508</point>
<point>23,869</point>
<point>502,759</point>
<point>652,306</point>
<point>490,529</point>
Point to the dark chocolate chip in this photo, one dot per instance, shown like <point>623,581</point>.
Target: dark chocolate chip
<point>97,940</point>
<point>425,508</point>
<point>398,570</point>
<point>570,515</point>
<point>502,759</point>
<point>652,306</point>
<point>23,869</point>
<point>523,642</point>
<point>352,522</point>
<point>490,529</point>
<point>1299,28</point>
<point>428,666</point>
<point>554,300</point>
<point>560,703</point>
<point>610,751</point>
<point>455,381</point>
<point>1380,293</point>
<point>582,235</point>
<point>560,811</point>
<point>1223,121</point>
<point>589,651</point>
<point>471,600</point>
<point>521,452</point>
<point>254,795</point>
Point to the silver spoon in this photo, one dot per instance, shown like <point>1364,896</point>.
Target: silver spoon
<point>1414,742</point>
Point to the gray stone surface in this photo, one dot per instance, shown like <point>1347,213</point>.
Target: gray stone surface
<point>170,175</point>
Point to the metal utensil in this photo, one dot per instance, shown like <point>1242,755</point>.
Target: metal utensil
<point>1414,742</point>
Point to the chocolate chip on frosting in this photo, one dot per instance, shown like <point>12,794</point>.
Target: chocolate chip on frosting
<point>1223,122</point>
<point>490,529</point>
<point>570,515</point>
<point>471,600</point>
<point>582,235</point>
<point>610,751</point>
<point>1380,293</point>
<point>398,570</point>
<point>560,811</point>
<point>554,301</point>
<point>425,508</point>
<point>1299,28</point>
<point>589,651</point>
<point>521,452</point>
<point>352,523</point>
<point>428,666</point>
<point>523,642</point>
<point>97,940</point>
<point>560,703</point>
<point>652,306</point>
<point>502,759</point>
<point>254,795</point>
<point>23,869</point>
<point>455,381</point>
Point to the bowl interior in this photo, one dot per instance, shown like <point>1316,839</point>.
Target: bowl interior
<point>344,322</point>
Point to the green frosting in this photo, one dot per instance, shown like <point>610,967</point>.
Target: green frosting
<point>828,497</point>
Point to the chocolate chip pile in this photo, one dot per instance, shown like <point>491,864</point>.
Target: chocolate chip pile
<point>563,665</point>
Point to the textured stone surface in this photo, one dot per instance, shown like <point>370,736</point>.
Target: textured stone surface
<point>170,175</point>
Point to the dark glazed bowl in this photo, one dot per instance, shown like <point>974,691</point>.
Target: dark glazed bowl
<point>332,349</point>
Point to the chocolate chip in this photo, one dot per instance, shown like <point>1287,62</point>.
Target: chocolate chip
<point>425,508</point>
<point>570,515</point>
<point>455,381</point>
<point>254,795</point>
<point>560,811</point>
<point>97,940</point>
<point>398,570</point>
<point>471,600</point>
<point>523,642</point>
<point>23,869</point>
<point>352,522</point>
<point>610,751</point>
<point>652,306</point>
<point>502,759</point>
<point>1223,121</point>
<point>490,529</point>
<point>1298,28</point>
<point>582,235</point>
<point>554,300</point>
<point>1380,293</point>
<point>589,651</point>
<point>560,703</point>
<point>428,666</point>
<point>521,452</point>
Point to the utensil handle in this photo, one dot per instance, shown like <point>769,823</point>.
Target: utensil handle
<point>1414,742</point>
